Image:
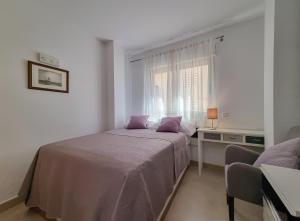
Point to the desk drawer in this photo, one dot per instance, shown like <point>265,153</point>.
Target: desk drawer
<point>212,136</point>
<point>255,140</point>
<point>233,138</point>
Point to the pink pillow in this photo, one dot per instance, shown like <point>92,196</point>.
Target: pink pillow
<point>177,119</point>
<point>169,124</point>
<point>138,122</point>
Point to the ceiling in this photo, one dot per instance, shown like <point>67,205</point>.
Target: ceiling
<point>140,24</point>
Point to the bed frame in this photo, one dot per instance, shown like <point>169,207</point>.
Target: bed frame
<point>170,199</point>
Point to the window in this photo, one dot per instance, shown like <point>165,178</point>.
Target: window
<point>192,92</point>
<point>160,93</point>
<point>180,82</point>
<point>194,88</point>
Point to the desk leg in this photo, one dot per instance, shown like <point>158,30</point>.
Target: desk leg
<point>200,156</point>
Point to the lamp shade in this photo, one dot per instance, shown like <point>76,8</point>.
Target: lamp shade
<point>212,113</point>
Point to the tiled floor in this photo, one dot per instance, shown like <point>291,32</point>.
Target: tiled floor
<point>203,198</point>
<point>198,199</point>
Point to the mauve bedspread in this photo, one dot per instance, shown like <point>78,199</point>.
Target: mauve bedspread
<point>119,175</point>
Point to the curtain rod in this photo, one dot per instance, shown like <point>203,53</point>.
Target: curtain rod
<point>137,60</point>
<point>221,38</point>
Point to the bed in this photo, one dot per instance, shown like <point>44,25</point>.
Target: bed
<point>118,175</point>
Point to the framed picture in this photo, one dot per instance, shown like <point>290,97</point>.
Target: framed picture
<point>47,78</point>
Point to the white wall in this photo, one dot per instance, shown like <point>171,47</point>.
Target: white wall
<point>136,69</point>
<point>239,71</point>
<point>239,75</point>
<point>109,70</point>
<point>31,118</point>
<point>119,86</point>
<point>239,80</point>
<point>268,73</point>
<point>286,67</point>
<point>128,89</point>
<point>282,68</point>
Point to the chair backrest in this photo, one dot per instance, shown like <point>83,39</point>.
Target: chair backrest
<point>293,133</point>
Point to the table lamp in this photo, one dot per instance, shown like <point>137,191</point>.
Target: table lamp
<point>212,114</point>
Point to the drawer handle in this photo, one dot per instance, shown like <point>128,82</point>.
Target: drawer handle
<point>256,139</point>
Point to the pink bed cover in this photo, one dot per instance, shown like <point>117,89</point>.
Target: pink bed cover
<point>118,175</point>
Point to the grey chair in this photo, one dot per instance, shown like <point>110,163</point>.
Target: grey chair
<point>243,180</point>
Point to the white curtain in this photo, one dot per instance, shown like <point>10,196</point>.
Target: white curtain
<point>180,82</point>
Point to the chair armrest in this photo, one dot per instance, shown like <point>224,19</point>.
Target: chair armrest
<point>244,182</point>
<point>234,153</point>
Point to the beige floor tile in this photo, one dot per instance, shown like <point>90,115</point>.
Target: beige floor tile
<point>203,199</point>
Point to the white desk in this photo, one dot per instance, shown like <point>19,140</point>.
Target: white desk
<point>228,136</point>
<point>285,182</point>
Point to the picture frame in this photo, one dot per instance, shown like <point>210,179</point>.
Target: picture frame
<point>47,78</point>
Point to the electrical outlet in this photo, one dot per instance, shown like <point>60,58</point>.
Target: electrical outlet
<point>225,115</point>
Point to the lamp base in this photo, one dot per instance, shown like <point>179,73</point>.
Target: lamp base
<point>212,125</point>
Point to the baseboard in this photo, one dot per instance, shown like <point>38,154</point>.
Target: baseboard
<point>10,203</point>
<point>193,163</point>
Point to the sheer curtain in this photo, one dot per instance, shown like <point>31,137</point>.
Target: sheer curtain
<point>180,82</point>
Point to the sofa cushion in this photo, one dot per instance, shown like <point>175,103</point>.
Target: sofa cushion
<point>285,154</point>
